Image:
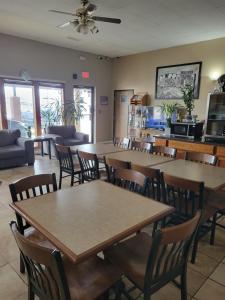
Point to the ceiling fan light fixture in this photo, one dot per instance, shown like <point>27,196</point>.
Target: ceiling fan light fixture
<point>75,23</point>
<point>82,28</point>
<point>94,30</point>
<point>91,23</point>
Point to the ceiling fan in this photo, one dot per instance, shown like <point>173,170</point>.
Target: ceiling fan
<point>84,21</point>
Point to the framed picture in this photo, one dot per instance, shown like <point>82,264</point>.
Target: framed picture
<point>171,79</point>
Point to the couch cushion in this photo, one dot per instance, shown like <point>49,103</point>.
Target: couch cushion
<point>9,137</point>
<point>64,131</point>
<point>71,142</point>
<point>11,151</point>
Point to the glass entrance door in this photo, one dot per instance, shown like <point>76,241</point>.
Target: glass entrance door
<point>20,108</point>
<point>84,101</point>
<point>51,101</point>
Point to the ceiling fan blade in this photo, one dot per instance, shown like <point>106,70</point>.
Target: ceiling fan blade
<point>64,25</point>
<point>109,20</point>
<point>61,12</point>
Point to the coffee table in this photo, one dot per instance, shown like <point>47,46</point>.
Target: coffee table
<point>42,139</point>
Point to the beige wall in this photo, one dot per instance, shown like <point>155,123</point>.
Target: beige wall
<point>139,71</point>
<point>46,62</point>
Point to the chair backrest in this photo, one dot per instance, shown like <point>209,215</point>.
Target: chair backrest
<point>150,139</point>
<point>187,196</point>
<point>65,158</point>
<point>45,271</point>
<point>89,166</point>
<point>112,164</point>
<point>64,131</point>
<point>153,189</point>
<point>131,180</point>
<point>141,146</point>
<point>204,158</point>
<point>169,253</point>
<point>122,142</point>
<point>165,151</point>
<point>30,187</point>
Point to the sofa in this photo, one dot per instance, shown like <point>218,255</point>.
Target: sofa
<point>15,150</point>
<point>65,135</point>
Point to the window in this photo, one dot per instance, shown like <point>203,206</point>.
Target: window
<point>20,108</point>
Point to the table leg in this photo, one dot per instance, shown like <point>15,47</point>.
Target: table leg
<point>49,149</point>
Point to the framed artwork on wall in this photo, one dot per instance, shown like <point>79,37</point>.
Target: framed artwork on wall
<point>171,79</point>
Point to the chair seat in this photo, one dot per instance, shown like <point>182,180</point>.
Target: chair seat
<point>131,256</point>
<point>35,236</point>
<point>90,279</point>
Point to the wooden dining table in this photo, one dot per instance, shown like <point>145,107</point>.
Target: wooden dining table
<point>100,149</point>
<point>84,220</point>
<point>140,158</point>
<point>212,176</point>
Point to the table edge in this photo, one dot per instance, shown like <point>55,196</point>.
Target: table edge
<point>98,248</point>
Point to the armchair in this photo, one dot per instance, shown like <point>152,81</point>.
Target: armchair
<point>15,150</point>
<point>65,135</point>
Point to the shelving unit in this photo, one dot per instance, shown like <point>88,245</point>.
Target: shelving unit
<point>137,114</point>
<point>215,118</point>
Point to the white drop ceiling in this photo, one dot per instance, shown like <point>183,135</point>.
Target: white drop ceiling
<point>146,24</point>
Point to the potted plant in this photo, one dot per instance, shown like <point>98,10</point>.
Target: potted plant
<point>69,113</point>
<point>188,98</point>
<point>168,109</point>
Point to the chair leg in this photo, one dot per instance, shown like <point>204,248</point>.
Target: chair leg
<point>22,267</point>
<point>72,180</point>
<point>213,230</point>
<point>60,180</point>
<point>194,250</point>
<point>30,293</point>
<point>184,285</point>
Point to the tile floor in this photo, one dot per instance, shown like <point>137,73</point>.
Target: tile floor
<point>206,279</point>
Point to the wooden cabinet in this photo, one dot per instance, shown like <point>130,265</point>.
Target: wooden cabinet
<point>220,153</point>
<point>184,146</point>
<point>188,146</point>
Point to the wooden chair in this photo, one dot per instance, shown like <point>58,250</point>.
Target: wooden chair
<point>150,263</point>
<point>141,146</point>
<point>165,151</point>
<point>153,189</point>
<point>89,165</point>
<point>187,196</point>
<point>112,164</point>
<point>204,158</point>
<point>67,165</point>
<point>122,142</point>
<point>52,277</point>
<point>131,180</point>
<point>30,187</point>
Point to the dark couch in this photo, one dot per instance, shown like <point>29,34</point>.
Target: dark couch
<point>15,150</point>
<point>65,135</point>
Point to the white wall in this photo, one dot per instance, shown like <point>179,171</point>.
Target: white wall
<point>52,63</point>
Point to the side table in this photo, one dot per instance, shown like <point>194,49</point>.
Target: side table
<point>42,139</point>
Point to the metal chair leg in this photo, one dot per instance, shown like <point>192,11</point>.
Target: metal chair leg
<point>184,285</point>
<point>213,230</point>
<point>30,293</point>
<point>72,180</point>
<point>60,180</point>
<point>194,250</point>
<point>22,267</point>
